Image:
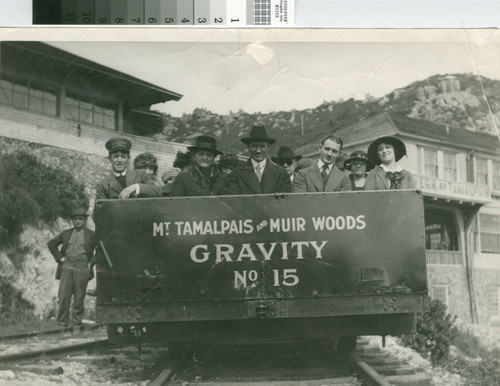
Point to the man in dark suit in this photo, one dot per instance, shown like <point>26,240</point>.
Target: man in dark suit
<point>123,182</point>
<point>259,175</point>
<point>75,268</point>
<point>323,175</point>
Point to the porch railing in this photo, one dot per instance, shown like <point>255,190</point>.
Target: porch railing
<point>444,257</point>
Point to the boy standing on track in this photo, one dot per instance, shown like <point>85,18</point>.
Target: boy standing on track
<point>75,268</point>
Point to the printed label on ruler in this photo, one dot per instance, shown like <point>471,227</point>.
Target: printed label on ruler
<point>282,12</point>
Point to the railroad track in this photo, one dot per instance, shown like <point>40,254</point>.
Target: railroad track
<point>83,327</point>
<point>369,365</point>
<point>20,347</point>
<point>378,368</point>
<point>242,365</point>
<point>52,351</point>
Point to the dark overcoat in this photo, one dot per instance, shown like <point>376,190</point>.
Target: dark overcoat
<point>309,180</point>
<point>63,239</point>
<point>377,180</point>
<point>243,180</point>
<point>109,187</point>
<point>187,184</point>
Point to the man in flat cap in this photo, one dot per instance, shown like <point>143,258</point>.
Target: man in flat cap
<point>75,267</point>
<point>123,182</point>
<point>259,175</point>
<point>323,175</point>
<point>287,159</point>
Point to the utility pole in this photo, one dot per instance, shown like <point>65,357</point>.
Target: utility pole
<point>302,124</point>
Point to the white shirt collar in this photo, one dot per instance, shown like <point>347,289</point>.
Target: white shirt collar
<point>321,163</point>
<point>262,164</point>
<point>386,169</point>
<point>120,174</point>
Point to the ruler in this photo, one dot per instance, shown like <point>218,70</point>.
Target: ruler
<point>198,13</point>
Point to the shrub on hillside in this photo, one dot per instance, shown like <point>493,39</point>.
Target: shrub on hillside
<point>13,307</point>
<point>31,191</point>
<point>435,332</point>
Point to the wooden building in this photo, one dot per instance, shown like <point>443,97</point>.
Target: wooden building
<point>458,172</point>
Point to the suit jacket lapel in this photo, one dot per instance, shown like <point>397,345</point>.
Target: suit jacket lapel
<point>316,177</point>
<point>130,177</point>
<point>266,183</point>
<point>381,175</point>
<point>334,179</point>
<point>248,175</point>
<point>113,185</point>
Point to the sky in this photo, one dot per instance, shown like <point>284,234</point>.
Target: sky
<point>264,76</point>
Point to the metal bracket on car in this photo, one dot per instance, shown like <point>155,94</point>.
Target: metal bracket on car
<point>106,254</point>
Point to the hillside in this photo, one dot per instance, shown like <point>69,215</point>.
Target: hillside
<point>460,100</point>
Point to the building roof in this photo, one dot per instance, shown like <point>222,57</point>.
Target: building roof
<point>364,132</point>
<point>40,61</point>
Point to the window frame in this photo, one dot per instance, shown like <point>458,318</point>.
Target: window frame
<point>483,231</point>
<point>90,113</point>
<point>24,96</point>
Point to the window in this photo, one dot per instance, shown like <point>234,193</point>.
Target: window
<point>440,230</point>
<point>85,112</point>
<point>489,228</point>
<point>430,163</point>
<point>449,166</point>
<point>31,98</point>
<point>481,171</point>
<point>440,292</point>
<point>496,175</point>
<point>494,296</point>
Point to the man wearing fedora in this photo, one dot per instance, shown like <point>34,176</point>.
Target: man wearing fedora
<point>123,182</point>
<point>323,175</point>
<point>259,175</point>
<point>75,268</point>
<point>287,159</point>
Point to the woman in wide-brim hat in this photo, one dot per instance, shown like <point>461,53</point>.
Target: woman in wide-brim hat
<point>201,177</point>
<point>385,152</point>
<point>359,165</point>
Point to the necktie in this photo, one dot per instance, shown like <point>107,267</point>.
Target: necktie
<point>121,180</point>
<point>324,174</point>
<point>258,172</point>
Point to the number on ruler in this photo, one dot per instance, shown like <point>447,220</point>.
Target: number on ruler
<point>119,20</point>
<point>202,20</point>
<point>138,20</point>
<point>152,20</point>
<point>102,20</point>
<point>218,20</point>
<point>169,20</point>
<point>184,20</point>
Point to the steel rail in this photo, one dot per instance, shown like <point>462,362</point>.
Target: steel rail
<point>166,374</point>
<point>20,356</point>
<point>373,378</point>
<point>47,332</point>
